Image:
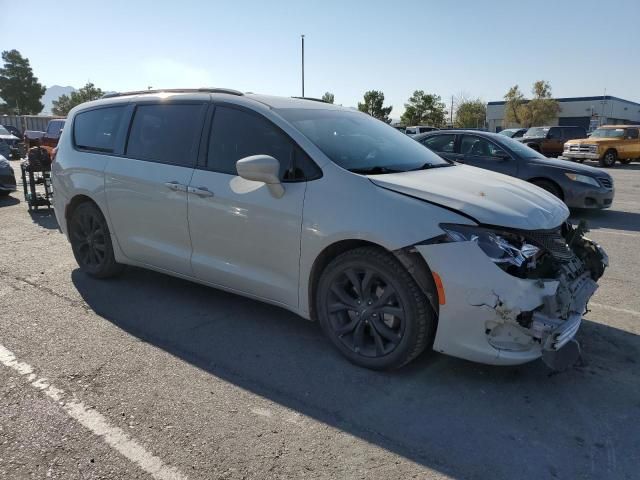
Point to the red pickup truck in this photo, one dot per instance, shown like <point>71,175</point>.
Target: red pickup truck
<point>51,136</point>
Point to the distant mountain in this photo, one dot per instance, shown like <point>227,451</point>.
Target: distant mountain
<point>53,93</point>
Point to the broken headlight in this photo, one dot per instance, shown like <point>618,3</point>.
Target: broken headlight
<point>501,247</point>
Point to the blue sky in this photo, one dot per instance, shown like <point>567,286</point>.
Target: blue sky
<point>479,48</point>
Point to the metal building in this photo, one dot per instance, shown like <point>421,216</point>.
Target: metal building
<point>587,112</point>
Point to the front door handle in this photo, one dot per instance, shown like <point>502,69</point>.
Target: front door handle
<point>200,191</point>
<point>175,186</point>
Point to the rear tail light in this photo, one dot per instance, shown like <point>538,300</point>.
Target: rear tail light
<point>54,152</point>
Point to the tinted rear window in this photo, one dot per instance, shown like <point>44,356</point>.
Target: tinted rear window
<point>96,129</point>
<point>166,133</point>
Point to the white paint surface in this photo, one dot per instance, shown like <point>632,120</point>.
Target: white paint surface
<point>94,421</point>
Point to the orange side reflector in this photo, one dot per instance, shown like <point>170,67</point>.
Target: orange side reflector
<point>442,299</point>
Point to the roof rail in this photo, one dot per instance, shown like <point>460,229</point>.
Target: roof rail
<point>175,90</point>
<point>311,99</point>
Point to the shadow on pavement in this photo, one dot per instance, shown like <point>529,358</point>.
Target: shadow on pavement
<point>44,217</point>
<point>613,219</point>
<point>8,200</point>
<point>463,419</point>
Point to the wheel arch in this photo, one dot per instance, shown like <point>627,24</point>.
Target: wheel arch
<point>75,201</point>
<point>408,257</point>
<point>548,180</point>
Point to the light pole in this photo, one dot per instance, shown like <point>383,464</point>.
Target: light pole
<point>302,38</point>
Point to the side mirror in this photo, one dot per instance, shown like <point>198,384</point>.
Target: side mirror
<point>501,155</point>
<point>262,168</point>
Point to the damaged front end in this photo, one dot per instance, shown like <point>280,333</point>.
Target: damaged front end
<point>530,302</point>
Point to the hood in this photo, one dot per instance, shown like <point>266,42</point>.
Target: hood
<point>566,166</point>
<point>593,141</point>
<point>9,137</point>
<point>490,198</point>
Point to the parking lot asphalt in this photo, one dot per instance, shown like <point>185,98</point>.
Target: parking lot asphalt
<point>148,376</point>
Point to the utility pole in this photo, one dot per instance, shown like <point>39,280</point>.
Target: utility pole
<point>451,113</point>
<point>302,37</point>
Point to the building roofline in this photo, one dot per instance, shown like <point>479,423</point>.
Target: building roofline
<point>580,99</point>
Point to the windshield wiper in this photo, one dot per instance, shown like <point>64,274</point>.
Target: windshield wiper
<point>429,166</point>
<point>375,170</point>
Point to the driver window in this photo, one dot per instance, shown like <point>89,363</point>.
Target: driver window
<point>480,147</point>
<point>632,133</point>
<point>554,133</point>
<point>440,143</point>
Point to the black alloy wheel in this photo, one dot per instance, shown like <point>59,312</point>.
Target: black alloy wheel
<point>372,309</point>
<point>91,242</point>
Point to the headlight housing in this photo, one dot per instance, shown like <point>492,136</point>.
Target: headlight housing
<point>502,248</point>
<point>576,177</point>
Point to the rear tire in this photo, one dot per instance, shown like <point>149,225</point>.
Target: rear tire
<point>549,187</point>
<point>91,242</point>
<point>608,160</point>
<point>372,309</point>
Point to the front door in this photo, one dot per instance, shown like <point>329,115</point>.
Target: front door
<point>244,238</point>
<point>482,153</point>
<point>147,188</point>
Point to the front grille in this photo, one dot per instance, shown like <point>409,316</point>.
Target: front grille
<point>606,182</point>
<point>553,242</point>
<point>580,148</point>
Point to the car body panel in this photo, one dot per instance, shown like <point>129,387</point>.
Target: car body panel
<point>149,218</point>
<point>482,324</point>
<point>225,228</point>
<point>7,176</point>
<point>489,197</point>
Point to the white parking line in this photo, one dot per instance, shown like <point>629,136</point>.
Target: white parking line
<point>615,309</point>
<point>613,232</point>
<point>115,437</point>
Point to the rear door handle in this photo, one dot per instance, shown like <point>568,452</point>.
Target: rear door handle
<point>175,186</point>
<point>200,191</point>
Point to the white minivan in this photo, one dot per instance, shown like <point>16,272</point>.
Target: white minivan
<point>329,213</point>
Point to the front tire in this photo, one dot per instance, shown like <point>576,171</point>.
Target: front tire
<point>550,187</point>
<point>609,158</point>
<point>91,242</point>
<point>372,310</point>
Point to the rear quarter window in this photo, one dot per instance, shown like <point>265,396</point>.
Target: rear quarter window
<point>96,130</point>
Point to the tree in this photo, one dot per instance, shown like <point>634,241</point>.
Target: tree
<point>424,109</point>
<point>373,105</point>
<point>328,97</point>
<point>542,107</point>
<point>471,113</point>
<point>64,103</point>
<point>539,110</point>
<point>513,107</point>
<point>20,90</point>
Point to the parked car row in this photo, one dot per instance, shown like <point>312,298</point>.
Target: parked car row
<point>336,216</point>
<point>577,185</point>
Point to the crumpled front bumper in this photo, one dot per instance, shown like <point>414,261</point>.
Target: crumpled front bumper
<point>492,317</point>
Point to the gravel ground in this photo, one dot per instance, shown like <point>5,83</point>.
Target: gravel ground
<point>212,385</point>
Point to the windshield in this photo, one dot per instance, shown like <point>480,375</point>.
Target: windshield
<point>519,148</point>
<point>537,132</point>
<point>361,143</point>
<point>608,133</point>
<point>4,131</point>
<point>508,132</point>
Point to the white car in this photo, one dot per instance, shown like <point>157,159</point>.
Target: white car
<point>329,213</point>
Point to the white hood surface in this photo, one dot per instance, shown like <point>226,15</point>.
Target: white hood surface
<point>491,198</point>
